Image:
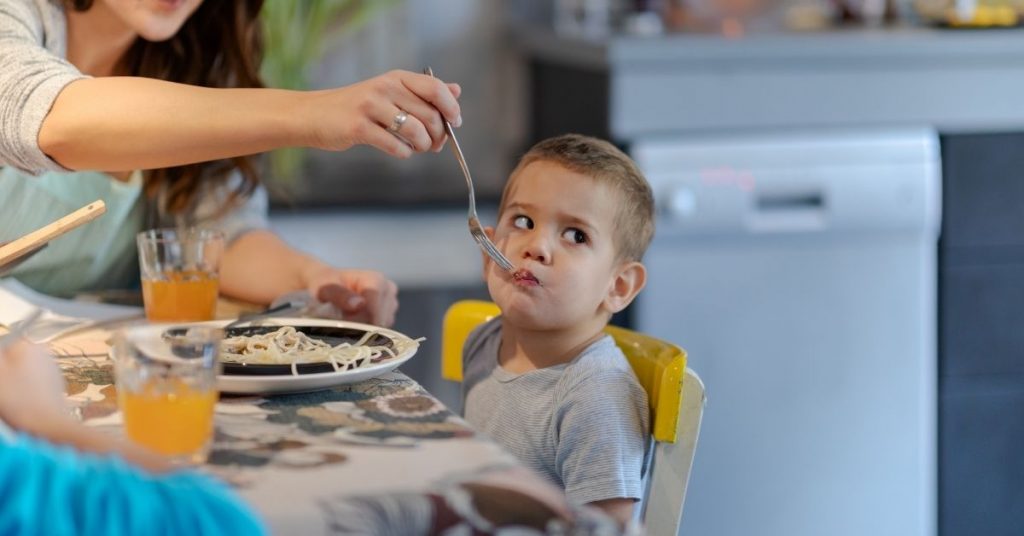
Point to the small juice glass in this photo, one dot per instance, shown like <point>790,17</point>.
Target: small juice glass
<point>167,390</point>
<point>179,269</point>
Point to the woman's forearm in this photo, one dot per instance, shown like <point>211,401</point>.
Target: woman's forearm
<point>125,123</point>
<point>259,266</point>
<point>128,123</point>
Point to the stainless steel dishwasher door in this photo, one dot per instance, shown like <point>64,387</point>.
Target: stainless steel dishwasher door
<point>799,272</point>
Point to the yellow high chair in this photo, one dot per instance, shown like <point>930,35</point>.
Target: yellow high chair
<point>675,393</point>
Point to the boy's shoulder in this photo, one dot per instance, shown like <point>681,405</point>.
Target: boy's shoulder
<point>602,356</point>
<point>602,364</point>
<point>480,353</point>
<point>599,365</point>
<point>481,337</point>
<point>600,394</point>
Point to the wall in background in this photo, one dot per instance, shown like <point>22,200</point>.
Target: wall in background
<point>463,41</point>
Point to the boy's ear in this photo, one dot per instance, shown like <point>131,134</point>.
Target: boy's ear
<point>628,282</point>
<point>489,231</point>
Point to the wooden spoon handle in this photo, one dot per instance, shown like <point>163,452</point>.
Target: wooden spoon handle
<point>14,249</point>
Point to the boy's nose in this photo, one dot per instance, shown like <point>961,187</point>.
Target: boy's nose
<point>529,254</point>
<point>537,249</point>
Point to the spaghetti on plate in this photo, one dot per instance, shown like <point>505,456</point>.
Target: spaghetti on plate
<point>288,346</point>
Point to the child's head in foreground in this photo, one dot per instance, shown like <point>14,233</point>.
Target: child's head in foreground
<point>575,219</point>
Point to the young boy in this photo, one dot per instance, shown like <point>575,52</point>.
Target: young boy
<point>543,379</point>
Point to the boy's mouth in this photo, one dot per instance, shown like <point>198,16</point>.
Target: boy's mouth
<point>524,277</point>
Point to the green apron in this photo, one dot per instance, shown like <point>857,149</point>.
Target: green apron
<point>98,255</point>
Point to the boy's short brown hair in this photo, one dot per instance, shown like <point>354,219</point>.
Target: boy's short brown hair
<point>606,164</point>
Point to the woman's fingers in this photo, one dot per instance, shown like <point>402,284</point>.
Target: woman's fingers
<point>426,101</point>
<point>407,122</point>
<point>378,136</point>
<point>399,112</point>
<point>430,101</point>
<point>455,89</point>
<point>430,117</point>
<point>383,302</point>
<point>361,295</point>
<point>436,93</point>
<point>424,127</point>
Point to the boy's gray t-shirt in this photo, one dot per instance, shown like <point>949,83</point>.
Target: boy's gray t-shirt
<point>583,425</point>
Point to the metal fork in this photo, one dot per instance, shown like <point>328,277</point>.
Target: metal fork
<point>475,229</point>
<point>246,318</point>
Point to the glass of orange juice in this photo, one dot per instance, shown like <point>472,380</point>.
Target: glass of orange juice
<point>167,389</point>
<point>179,269</point>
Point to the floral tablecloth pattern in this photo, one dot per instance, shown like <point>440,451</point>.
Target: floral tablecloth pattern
<point>302,459</point>
<point>380,456</point>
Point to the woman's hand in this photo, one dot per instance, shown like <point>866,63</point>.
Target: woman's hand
<point>31,389</point>
<point>363,112</point>
<point>361,295</point>
<point>246,274</point>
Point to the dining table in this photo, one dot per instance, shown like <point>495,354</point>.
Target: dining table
<point>380,456</point>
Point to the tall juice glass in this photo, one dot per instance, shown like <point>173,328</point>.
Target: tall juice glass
<point>167,389</point>
<point>179,269</point>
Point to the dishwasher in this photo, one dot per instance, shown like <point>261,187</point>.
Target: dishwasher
<point>798,269</point>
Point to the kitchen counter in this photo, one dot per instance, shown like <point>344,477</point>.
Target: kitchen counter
<point>953,80</point>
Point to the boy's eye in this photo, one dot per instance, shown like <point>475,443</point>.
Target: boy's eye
<point>575,236</point>
<point>522,222</point>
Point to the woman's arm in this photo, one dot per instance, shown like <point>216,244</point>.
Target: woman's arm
<point>259,266</point>
<point>125,123</point>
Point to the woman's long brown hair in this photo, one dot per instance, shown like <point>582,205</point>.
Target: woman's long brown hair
<point>220,45</point>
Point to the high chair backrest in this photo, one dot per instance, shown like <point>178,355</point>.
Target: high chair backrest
<point>675,393</point>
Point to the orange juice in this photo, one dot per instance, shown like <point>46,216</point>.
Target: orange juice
<point>185,296</point>
<point>170,417</point>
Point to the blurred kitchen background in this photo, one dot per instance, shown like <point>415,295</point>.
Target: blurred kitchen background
<point>840,241</point>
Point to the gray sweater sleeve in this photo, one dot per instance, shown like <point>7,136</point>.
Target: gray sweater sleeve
<point>33,72</point>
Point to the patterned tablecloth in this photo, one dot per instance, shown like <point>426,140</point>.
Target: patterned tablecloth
<point>381,456</point>
<point>378,457</point>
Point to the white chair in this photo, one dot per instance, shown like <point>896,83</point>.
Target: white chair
<point>675,392</point>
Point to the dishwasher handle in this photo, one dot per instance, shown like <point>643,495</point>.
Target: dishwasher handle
<point>775,202</point>
<point>789,210</point>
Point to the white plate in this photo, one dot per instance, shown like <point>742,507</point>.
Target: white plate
<point>288,383</point>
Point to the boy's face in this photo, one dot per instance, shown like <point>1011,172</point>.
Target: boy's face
<point>557,230</point>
